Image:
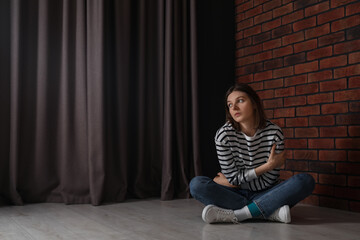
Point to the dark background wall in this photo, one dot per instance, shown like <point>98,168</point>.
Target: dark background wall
<point>303,57</point>
<point>216,51</point>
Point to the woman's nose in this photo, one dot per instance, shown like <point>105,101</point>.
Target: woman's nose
<point>236,107</point>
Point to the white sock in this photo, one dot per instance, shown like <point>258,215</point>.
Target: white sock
<point>243,214</point>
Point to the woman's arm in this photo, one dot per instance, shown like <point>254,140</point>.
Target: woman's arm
<point>276,160</point>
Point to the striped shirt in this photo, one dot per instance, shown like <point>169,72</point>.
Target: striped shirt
<point>239,155</point>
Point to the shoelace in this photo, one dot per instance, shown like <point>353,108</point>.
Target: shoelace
<point>222,215</point>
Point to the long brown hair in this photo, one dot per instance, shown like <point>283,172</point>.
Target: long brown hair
<point>260,118</point>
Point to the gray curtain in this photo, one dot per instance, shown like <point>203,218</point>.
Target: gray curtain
<point>98,100</point>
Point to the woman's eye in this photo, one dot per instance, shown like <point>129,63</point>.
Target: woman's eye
<point>240,100</point>
<point>230,105</point>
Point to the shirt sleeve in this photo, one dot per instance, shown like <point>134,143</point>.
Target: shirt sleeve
<point>236,174</point>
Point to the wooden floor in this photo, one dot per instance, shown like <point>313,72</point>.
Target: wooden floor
<point>155,219</point>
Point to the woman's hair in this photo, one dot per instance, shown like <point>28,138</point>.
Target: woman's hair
<point>260,118</point>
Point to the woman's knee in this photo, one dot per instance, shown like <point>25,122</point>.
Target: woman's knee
<point>197,184</point>
<point>307,182</point>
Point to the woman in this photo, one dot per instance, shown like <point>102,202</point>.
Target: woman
<point>250,151</point>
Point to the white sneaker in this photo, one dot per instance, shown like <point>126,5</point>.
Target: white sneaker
<point>214,214</point>
<point>281,215</point>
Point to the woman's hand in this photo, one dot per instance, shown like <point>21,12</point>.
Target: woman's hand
<point>275,160</point>
<point>222,180</point>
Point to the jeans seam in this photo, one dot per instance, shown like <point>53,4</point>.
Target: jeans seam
<point>261,210</point>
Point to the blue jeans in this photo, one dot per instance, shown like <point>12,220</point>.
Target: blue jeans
<point>288,192</point>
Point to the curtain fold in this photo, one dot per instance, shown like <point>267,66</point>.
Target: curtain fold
<point>99,100</point>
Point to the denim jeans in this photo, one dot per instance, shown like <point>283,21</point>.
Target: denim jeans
<point>288,192</point>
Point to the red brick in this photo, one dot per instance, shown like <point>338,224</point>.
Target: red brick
<point>286,174</point>
<point>317,31</point>
<point>261,37</point>
<point>306,132</point>
<point>347,193</point>
<point>353,33</point>
<point>284,112</point>
<point>332,155</point>
<point>348,143</point>
<point>252,31</point>
<point>245,61</point>
<point>279,121</point>
<point>283,10</point>
<point>320,98</point>
<point>333,85</point>
<point>257,86</point>
<point>320,53</point>
<point>305,46</point>
<point>244,79</point>
<point>337,3</point>
<point>306,67</point>
<point>347,71</point>
<point>297,165</point>
<point>347,95</point>
<point>253,49</point>
<point>306,154</point>
<point>349,168</point>
<point>291,81</point>
<point>263,76</point>
<point>239,35</point>
<point>293,38</point>
<point>253,12</point>
<point>346,47</point>
<point>322,167</point>
<point>281,31</point>
<point>266,94</point>
<point>274,103</point>
<point>263,56</point>
<point>273,83</point>
<point>271,25</point>
<point>243,43</point>
<point>283,72</point>
<point>354,106</point>
<point>306,89</point>
<point>272,44</point>
<point>340,131</point>
<point>354,82</point>
<point>354,58</point>
<point>348,119</point>
<point>280,52</point>
<point>303,3</point>
<point>331,38</point>
<point>316,9</point>
<point>285,92</point>
<point>239,17</point>
<point>354,156</point>
<point>334,108</point>
<point>304,24</point>
<point>253,68</point>
<point>297,122</point>
<point>332,179</point>
<point>263,17</point>
<point>271,5</point>
<point>324,143</point>
<point>354,131</point>
<point>244,7</point>
<point>288,132</point>
<point>321,120</point>
<point>354,181</point>
<point>294,59</point>
<point>295,101</point>
<point>245,24</point>
<point>308,110</point>
<point>293,17</point>
<point>239,52</point>
<point>330,16</point>
<point>296,143</point>
<point>272,64</point>
<point>333,62</point>
<point>269,113</point>
<point>345,23</point>
<point>353,9</point>
<point>311,200</point>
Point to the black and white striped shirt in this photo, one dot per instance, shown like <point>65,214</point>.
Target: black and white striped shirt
<point>239,155</point>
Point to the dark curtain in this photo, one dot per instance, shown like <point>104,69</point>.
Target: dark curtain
<point>98,100</point>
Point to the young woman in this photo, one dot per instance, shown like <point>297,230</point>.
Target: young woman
<point>250,151</point>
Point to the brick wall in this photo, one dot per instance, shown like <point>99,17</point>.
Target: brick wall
<point>303,58</point>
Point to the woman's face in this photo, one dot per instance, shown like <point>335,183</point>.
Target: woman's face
<point>240,107</point>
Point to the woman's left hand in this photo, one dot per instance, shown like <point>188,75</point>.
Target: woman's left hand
<point>222,180</point>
